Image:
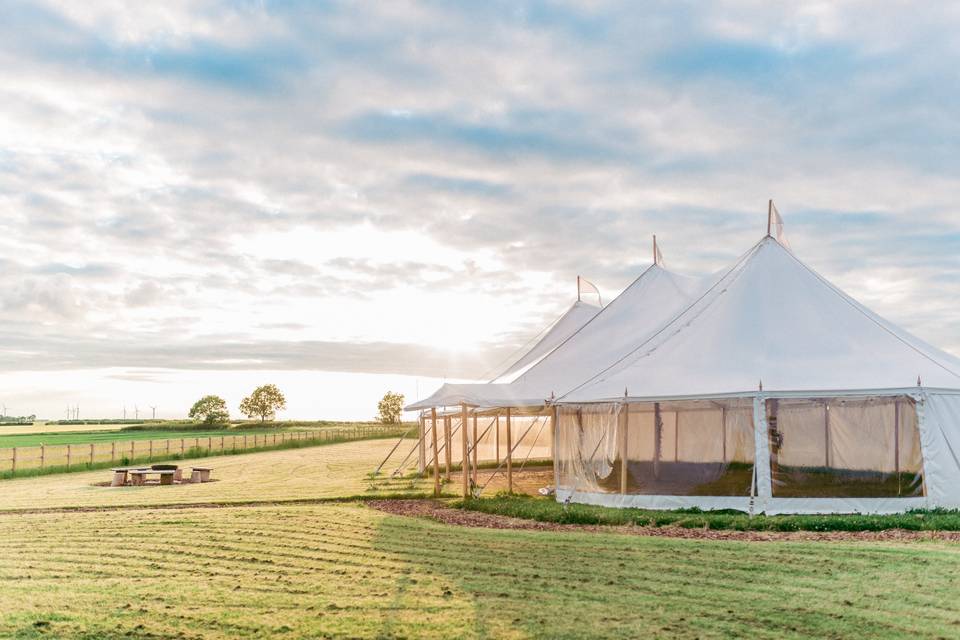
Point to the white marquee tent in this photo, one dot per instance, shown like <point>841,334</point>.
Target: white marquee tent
<point>673,394</point>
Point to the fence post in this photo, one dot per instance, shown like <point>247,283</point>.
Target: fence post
<point>209,444</point>
<point>181,447</point>
<point>42,455</point>
<point>13,461</point>
<point>113,451</point>
<point>221,443</point>
<point>196,443</point>
<point>91,454</point>
<point>68,456</point>
<point>150,451</point>
<point>133,450</point>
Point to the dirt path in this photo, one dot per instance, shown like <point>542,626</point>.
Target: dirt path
<point>438,511</point>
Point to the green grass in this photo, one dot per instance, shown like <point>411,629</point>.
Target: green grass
<point>549,510</point>
<point>344,570</point>
<point>96,437</point>
<point>189,454</point>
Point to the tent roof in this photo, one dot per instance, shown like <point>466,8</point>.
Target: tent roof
<point>653,298</point>
<point>770,318</point>
<point>566,325</point>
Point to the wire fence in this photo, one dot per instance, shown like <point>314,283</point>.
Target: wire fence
<point>87,455</point>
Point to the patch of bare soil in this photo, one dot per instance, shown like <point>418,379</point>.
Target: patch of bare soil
<point>435,510</point>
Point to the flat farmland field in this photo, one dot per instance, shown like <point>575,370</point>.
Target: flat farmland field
<point>345,570</point>
<point>240,558</point>
<point>328,471</point>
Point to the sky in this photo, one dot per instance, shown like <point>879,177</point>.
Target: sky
<point>346,197</point>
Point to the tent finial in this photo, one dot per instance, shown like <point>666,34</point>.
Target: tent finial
<point>578,288</point>
<point>919,384</point>
<point>769,216</point>
<point>625,394</point>
<point>761,384</point>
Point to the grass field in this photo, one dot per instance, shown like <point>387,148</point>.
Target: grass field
<point>346,570</point>
<point>293,474</point>
<point>87,437</point>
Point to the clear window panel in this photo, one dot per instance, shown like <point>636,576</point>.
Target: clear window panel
<point>845,447</point>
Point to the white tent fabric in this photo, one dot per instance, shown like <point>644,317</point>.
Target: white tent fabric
<point>628,320</point>
<point>573,318</point>
<point>771,319</point>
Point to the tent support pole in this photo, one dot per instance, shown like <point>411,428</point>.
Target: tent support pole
<point>623,447</point>
<point>555,440</point>
<point>826,434</point>
<point>896,441</point>
<point>657,439</point>
<point>723,423</point>
<point>773,434</point>
<point>436,454</point>
<point>509,454</point>
<point>676,436</point>
<point>476,443</point>
<point>496,438</point>
<point>422,458</point>
<point>447,441</point>
<point>464,459</point>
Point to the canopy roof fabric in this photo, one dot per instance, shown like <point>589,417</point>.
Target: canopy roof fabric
<point>771,320</point>
<point>625,323</point>
<point>573,318</point>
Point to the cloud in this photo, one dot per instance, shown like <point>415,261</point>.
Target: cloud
<point>330,185</point>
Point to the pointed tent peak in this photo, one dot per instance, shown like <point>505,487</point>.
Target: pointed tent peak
<point>775,224</point>
<point>657,256</point>
<point>584,286</point>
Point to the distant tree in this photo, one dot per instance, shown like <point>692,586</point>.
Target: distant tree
<point>210,410</point>
<point>264,402</point>
<point>390,408</point>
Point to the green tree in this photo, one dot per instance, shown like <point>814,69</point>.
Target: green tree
<point>390,408</point>
<point>210,410</point>
<point>264,402</point>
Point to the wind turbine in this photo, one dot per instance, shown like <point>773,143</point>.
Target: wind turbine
<point>136,412</point>
<point>124,412</point>
<point>154,409</point>
<point>4,414</point>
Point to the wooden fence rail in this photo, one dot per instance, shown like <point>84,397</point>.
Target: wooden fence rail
<point>72,455</point>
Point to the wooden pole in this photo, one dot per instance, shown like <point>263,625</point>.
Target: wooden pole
<point>555,445</point>
<point>436,456</point>
<point>774,435</point>
<point>625,421</point>
<point>91,453</point>
<point>447,441</point>
<point>496,438</point>
<point>13,461</point>
<point>723,422</point>
<point>422,462</point>
<point>475,445</point>
<point>464,458</point>
<point>896,441</point>
<point>676,436</point>
<point>826,434</point>
<point>657,439</point>
<point>113,451</point>
<point>509,454</point>
<point>42,455</point>
<point>68,456</point>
